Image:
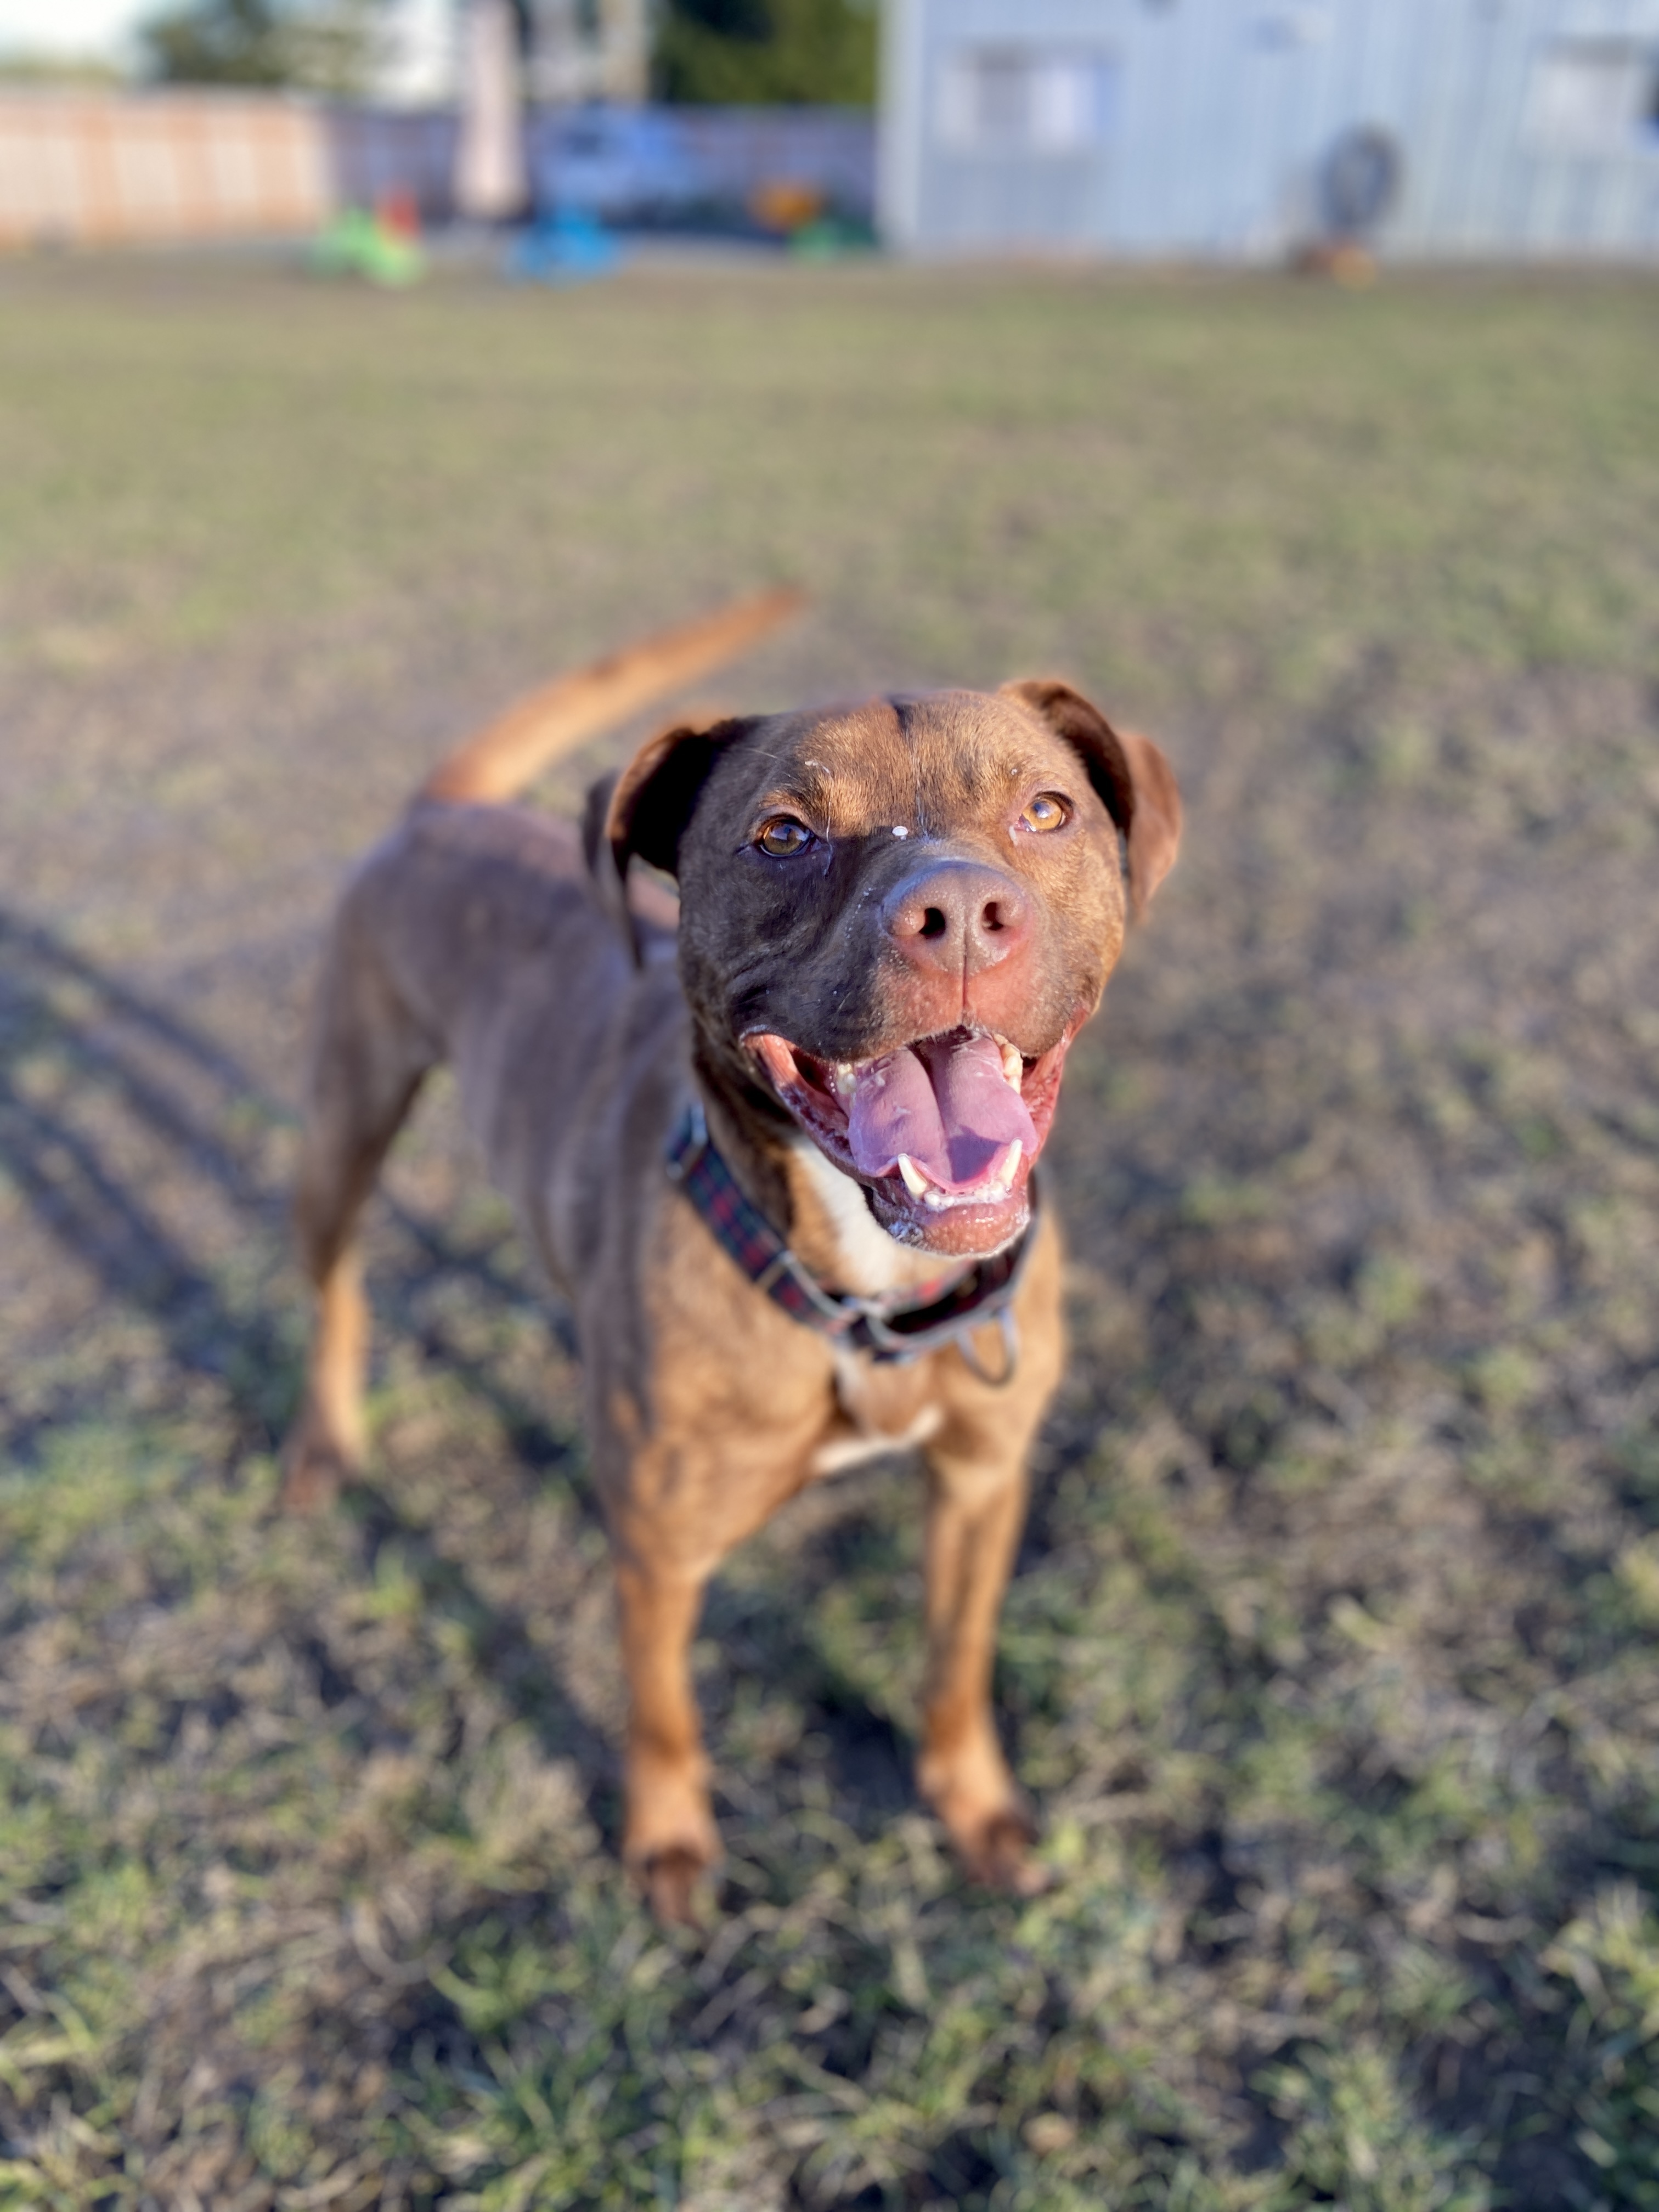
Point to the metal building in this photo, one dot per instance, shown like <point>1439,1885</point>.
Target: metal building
<point>1232,129</point>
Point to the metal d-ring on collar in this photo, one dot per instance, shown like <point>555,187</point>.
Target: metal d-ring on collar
<point>887,1329</point>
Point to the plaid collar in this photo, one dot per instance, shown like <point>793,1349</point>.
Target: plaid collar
<point>901,1327</point>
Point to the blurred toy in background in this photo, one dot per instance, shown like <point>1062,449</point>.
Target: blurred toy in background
<point>1358,182</point>
<point>569,247</point>
<point>829,236</point>
<point>383,247</point>
<point>801,217</point>
<point>782,205</point>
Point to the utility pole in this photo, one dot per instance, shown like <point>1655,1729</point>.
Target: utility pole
<point>492,177</point>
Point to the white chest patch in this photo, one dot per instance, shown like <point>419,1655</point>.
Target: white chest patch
<point>867,1261</point>
<point>842,1452</point>
<point>870,1259</point>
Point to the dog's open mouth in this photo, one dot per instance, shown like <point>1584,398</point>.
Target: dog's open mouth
<point>942,1131</point>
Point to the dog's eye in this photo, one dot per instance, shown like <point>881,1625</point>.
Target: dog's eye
<point>1048,811</point>
<point>783,837</point>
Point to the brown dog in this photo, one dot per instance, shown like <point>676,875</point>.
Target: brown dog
<point>786,1181</point>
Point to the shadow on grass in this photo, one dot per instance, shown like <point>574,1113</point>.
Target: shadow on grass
<point>197,1106</point>
<point>200,1110</point>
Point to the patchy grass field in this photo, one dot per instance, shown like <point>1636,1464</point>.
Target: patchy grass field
<point>1331,1653</point>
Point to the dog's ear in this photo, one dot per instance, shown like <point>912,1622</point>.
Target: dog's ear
<point>596,812</point>
<point>1135,782</point>
<point>652,801</point>
<point>635,905</point>
<point>608,885</point>
<point>1155,833</point>
<point>644,811</point>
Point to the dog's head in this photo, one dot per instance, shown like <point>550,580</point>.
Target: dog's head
<point>896,917</point>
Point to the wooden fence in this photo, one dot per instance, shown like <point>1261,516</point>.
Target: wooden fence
<point>103,168</point>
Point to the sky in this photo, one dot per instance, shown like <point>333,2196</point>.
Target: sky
<point>70,27</point>
<point>418,67</point>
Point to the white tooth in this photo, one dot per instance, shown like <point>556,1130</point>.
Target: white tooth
<point>1013,1067</point>
<point>846,1078</point>
<point>1005,1172</point>
<point>914,1182</point>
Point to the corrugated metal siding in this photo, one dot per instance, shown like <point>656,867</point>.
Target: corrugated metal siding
<point>1226,108</point>
<point>1007,198</point>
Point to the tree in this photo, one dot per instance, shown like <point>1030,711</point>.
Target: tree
<point>329,45</point>
<point>745,53</point>
<point>216,42</point>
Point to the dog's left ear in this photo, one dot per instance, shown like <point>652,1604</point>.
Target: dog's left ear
<point>1134,781</point>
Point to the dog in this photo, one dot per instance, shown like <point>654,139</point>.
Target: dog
<point>775,1144</point>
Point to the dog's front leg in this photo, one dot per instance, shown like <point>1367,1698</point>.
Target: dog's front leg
<point>976,1505</point>
<point>669,1839</point>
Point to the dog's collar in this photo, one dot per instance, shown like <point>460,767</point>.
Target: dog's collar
<point>901,1327</point>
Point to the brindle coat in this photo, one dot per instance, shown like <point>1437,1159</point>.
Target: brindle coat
<point>484,936</point>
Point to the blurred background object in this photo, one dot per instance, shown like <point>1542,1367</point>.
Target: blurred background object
<point>222,118</point>
<point>382,246</point>
<point>1338,135</point>
<point>569,248</point>
<point>331,48</point>
<point>766,52</point>
<point>492,178</point>
<point>1212,129</point>
<point>779,204</point>
<point>87,166</point>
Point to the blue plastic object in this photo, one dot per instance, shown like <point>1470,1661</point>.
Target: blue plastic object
<point>567,248</point>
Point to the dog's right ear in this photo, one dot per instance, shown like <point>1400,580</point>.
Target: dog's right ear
<point>609,887</point>
<point>645,810</point>
<point>652,799</point>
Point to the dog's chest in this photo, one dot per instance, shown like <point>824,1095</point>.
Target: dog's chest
<point>879,1407</point>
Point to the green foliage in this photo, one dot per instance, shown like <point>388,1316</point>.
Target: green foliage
<point>743,53</point>
<point>312,46</point>
<point>1610,1953</point>
<point>1352,2139</point>
<point>26,68</point>
<point>218,42</point>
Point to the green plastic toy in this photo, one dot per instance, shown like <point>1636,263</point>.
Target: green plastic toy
<point>359,244</point>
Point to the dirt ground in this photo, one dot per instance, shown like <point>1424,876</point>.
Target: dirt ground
<point>1331,1656</point>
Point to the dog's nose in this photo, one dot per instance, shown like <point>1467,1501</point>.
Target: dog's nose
<point>956,917</point>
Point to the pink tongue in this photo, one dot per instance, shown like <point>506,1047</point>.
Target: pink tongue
<point>946,1103</point>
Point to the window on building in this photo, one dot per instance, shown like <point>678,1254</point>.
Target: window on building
<point>1024,99</point>
<point>1593,96</point>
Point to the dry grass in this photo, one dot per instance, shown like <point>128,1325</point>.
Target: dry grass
<point>1331,1656</point>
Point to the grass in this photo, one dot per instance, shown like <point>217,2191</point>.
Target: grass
<point>1331,1656</point>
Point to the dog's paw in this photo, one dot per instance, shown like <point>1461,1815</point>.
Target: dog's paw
<point>984,1813</point>
<point>999,1855</point>
<point>672,1880</point>
<point>314,1467</point>
<point>670,1841</point>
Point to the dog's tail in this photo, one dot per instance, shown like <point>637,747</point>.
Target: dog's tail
<point>508,755</point>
